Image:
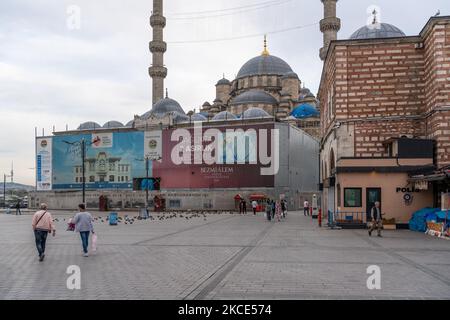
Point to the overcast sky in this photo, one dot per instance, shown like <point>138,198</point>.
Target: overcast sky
<point>54,75</point>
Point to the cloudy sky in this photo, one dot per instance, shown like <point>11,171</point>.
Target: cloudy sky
<point>55,74</point>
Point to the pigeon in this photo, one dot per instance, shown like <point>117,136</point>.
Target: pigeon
<point>438,13</point>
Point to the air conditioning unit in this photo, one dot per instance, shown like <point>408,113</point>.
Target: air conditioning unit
<point>419,45</point>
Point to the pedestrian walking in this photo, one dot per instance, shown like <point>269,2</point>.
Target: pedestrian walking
<point>83,225</point>
<point>278,210</point>
<point>244,206</point>
<point>273,209</point>
<point>42,224</point>
<point>269,210</point>
<point>18,212</point>
<point>306,208</point>
<point>284,208</point>
<point>375,215</point>
<point>255,206</point>
<point>241,206</point>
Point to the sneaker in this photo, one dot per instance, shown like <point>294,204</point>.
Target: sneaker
<point>380,236</point>
<point>41,257</point>
<point>370,233</point>
<point>85,255</point>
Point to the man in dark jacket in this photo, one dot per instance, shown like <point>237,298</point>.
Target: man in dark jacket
<point>375,215</point>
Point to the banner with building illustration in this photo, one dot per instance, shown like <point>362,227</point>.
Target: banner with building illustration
<point>112,160</point>
<point>43,164</point>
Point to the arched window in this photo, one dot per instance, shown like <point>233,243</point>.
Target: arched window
<point>332,162</point>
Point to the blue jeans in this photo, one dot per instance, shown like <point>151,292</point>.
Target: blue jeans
<point>85,240</point>
<point>40,237</point>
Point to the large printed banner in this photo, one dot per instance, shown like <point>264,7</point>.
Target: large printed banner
<point>44,164</point>
<point>112,160</point>
<point>236,163</point>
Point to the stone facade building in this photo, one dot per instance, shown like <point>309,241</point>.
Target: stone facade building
<point>384,98</point>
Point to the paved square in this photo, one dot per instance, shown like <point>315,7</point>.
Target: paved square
<point>222,256</point>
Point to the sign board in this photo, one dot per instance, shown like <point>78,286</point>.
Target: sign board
<point>102,140</point>
<point>153,145</point>
<point>44,164</point>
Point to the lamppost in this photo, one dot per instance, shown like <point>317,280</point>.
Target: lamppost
<point>82,145</point>
<point>4,189</point>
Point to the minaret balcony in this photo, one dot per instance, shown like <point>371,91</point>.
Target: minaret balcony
<point>331,23</point>
<point>158,46</point>
<point>157,20</point>
<point>157,72</point>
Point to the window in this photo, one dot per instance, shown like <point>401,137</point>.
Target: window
<point>338,188</point>
<point>175,203</point>
<point>352,197</point>
<point>111,178</point>
<point>91,179</point>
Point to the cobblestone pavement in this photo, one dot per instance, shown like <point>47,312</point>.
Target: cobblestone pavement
<point>223,256</point>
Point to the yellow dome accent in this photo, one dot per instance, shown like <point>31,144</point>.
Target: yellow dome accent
<point>265,51</point>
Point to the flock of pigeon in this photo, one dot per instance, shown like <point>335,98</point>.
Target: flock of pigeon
<point>126,219</point>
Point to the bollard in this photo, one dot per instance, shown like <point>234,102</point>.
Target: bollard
<point>320,217</point>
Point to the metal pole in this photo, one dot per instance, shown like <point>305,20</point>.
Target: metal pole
<point>146,185</point>
<point>83,156</point>
<point>4,191</point>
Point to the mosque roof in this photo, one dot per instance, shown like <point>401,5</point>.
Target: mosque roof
<point>304,111</point>
<point>380,30</point>
<point>254,113</point>
<point>224,115</point>
<point>198,117</point>
<point>113,124</point>
<point>89,126</point>
<point>254,96</point>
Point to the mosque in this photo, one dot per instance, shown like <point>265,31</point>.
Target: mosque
<point>121,160</point>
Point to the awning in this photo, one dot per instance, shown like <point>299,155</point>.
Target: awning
<point>258,196</point>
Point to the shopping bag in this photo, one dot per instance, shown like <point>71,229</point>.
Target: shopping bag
<point>94,242</point>
<point>70,226</point>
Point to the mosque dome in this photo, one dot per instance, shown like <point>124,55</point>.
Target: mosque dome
<point>205,114</point>
<point>179,117</point>
<point>89,126</point>
<point>377,30</point>
<point>224,115</point>
<point>254,96</point>
<point>223,81</point>
<point>304,111</point>
<point>264,65</point>
<point>198,117</point>
<point>254,113</point>
<point>129,123</point>
<point>166,105</point>
<point>290,75</point>
<point>113,124</point>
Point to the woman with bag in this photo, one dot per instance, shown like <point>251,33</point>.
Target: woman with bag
<point>42,224</point>
<point>83,225</point>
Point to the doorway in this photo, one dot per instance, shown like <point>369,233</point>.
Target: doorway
<point>372,195</point>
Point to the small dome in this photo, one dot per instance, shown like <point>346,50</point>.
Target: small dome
<point>224,115</point>
<point>89,126</point>
<point>263,65</point>
<point>206,104</point>
<point>290,75</point>
<point>377,30</point>
<point>162,107</point>
<point>223,81</point>
<point>205,114</point>
<point>304,91</point>
<point>305,111</point>
<point>113,124</point>
<point>130,123</point>
<point>198,117</point>
<point>254,113</point>
<point>254,96</point>
<point>178,117</point>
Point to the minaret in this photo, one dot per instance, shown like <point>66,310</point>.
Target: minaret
<point>329,25</point>
<point>158,47</point>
